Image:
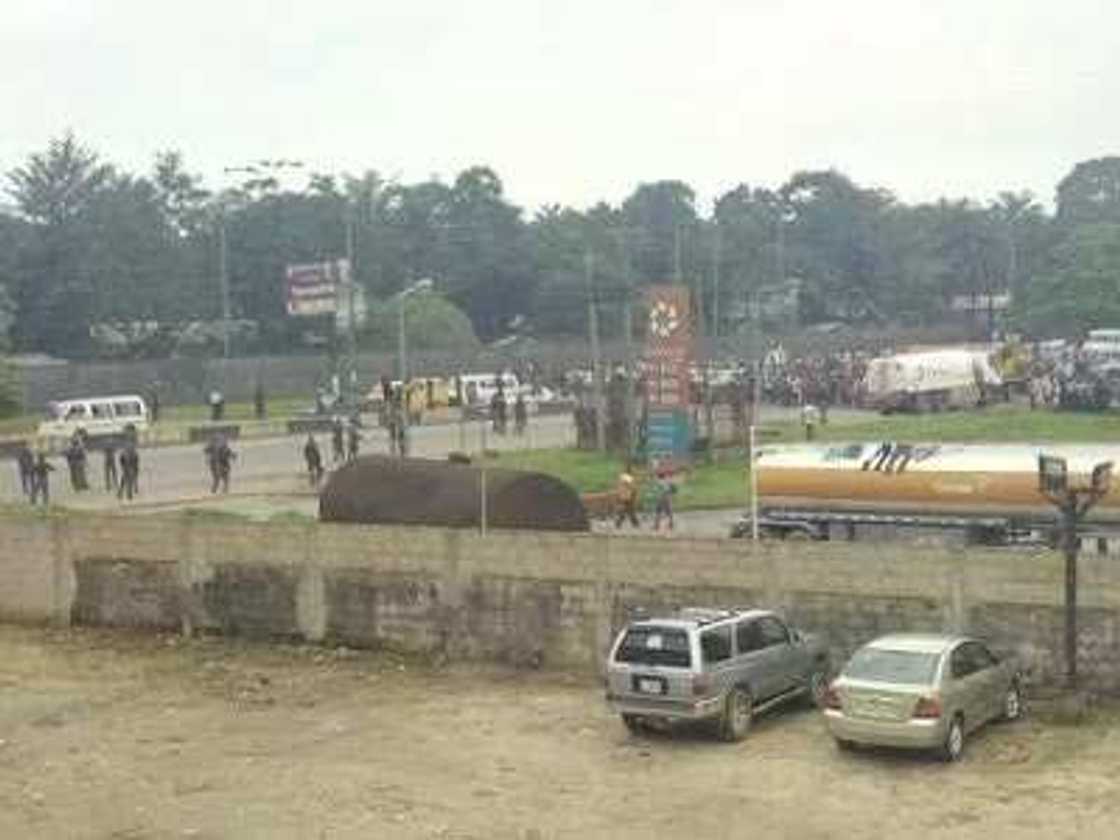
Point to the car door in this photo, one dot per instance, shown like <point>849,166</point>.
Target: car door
<point>778,644</point>
<point>966,687</point>
<point>989,680</point>
<point>755,662</point>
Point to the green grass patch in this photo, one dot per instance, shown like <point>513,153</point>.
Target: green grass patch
<point>997,424</point>
<point>704,487</point>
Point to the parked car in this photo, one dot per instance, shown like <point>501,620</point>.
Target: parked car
<point>922,692</point>
<point>723,665</point>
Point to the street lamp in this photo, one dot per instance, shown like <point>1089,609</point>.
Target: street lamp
<point>419,286</point>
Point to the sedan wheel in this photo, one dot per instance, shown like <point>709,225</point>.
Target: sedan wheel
<point>954,741</point>
<point>737,714</point>
<point>1013,703</point>
<point>818,684</point>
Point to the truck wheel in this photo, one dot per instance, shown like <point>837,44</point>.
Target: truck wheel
<point>738,712</point>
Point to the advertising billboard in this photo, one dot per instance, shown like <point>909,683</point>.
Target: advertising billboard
<point>313,288</point>
<point>669,353</point>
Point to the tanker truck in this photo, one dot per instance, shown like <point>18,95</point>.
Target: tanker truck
<point>932,380</point>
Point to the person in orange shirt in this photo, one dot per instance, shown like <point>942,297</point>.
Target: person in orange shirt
<point>626,493</point>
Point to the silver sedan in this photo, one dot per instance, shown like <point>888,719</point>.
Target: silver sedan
<point>921,692</point>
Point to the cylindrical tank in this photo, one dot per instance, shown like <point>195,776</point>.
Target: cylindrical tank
<point>378,489</point>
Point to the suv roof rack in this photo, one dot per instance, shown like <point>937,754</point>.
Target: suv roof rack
<point>708,615</point>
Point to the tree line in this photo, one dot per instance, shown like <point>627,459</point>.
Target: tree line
<point>86,246</point>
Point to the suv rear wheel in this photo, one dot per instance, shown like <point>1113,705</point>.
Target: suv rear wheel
<point>634,723</point>
<point>738,711</point>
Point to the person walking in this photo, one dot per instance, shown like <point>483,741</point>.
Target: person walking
<point>314,459</point>
<point>75,455</point>
<point>41,480</point>
<point>664,505</point>
<point>626,498</point>
<point>109,452</point>
<point>153,402</point>
<point>224,457</point>
<point>130,472</point>
<point>210,451</point>
<point>353,441</point>
<point>25,462</point>
<point>338,451</point>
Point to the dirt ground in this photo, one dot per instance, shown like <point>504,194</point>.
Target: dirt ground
<point>115,735</point>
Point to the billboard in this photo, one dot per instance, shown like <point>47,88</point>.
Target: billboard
<point>313,288</point>
<point>668,359</point>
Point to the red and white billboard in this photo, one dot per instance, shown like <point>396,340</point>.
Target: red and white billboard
<point>313,288</point>
<point>669,346</point>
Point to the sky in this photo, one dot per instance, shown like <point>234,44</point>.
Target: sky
<point>578,101</point>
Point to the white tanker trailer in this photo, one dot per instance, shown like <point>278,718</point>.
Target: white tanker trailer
<point>930,381</point>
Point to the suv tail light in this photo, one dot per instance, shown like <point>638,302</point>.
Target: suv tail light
<point>701,685</point>
<point>927,707</point>
<point>831,698</point>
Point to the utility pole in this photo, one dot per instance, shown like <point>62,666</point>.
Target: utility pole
<point>1073,502</point>
<point>223,271</point>
<point>596,361</point>
<point>717,254</point>
<point>628,338</point>
<point>678,271</point>
<point>351,321</point>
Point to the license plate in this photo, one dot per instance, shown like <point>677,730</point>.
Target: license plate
<point>647,686</point>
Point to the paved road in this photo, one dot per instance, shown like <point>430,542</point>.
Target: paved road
<point>275,465</point>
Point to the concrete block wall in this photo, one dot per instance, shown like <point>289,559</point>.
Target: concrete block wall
<point>554,600</point>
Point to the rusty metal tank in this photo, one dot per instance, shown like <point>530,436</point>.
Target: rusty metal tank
<point>380,490</point>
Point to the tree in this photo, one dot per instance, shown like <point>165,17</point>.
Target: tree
<point>55,190</point>
<point>1090,194</point>
<point>432,323</point>
<point>1082,291</point>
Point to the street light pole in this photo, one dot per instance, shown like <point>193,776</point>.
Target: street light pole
<point>223,272</point>
<point>596,362</point>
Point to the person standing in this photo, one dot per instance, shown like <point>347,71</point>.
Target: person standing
<point>259,408</point>
<point>338,452</point>
<point>25,461</point>
<point>520,415</point>
<point>353,441</point>
<point>130,472</point>
<point>109,451</point>
<point>210,451</point>
<point>665,491</point>
<point>217,405</point>
<point>75,455</point>
<point>626,498</point>
<point>153,402</point>
<point>41,480</point>
<point>314,459</point>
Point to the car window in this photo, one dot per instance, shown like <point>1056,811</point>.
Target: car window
<point>102,411</point>
<point>961,664</point>
<point>980,657</point>
<point>75,412</point>
<point>715,644</point>
<point>904,667</point>
<point>748,637</point>
<point>651,645</point>
<point>773,632</point>
<point>127,409</point>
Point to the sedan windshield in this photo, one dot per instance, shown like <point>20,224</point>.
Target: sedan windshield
<point>655,646</point>
<point>893,666</point>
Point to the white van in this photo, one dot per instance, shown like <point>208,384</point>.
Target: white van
<point>477,389</point>
<point>94,416</point>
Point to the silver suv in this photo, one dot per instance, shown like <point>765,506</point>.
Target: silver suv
<point>723,665</point>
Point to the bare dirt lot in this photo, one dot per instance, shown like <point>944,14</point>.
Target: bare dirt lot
<point>112,735</point>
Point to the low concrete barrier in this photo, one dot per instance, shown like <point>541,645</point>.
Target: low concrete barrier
<point>552,599</point>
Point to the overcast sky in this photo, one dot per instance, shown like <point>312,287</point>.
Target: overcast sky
<point>576,101</point>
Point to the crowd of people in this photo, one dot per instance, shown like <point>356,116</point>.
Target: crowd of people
<point>120,468</point>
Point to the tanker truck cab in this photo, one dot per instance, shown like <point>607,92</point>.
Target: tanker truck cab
<point>93,417</point>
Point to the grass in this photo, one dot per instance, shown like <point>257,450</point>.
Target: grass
<point>1000,423</point>
<point>704,487</point>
